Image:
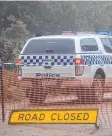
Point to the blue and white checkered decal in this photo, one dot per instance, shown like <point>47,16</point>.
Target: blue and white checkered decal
<point>39,60</point>
<point>92,59</point>
<point>97,59</point>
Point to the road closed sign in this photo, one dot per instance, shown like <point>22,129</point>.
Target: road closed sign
<point>64,116</point>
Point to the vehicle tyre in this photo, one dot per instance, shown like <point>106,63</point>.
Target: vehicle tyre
<point>37,94</point>
<point>94,94</point>
<point>27,93</point>
<point>37,97</point>
<point>83,95</point>
<point>97,89</point>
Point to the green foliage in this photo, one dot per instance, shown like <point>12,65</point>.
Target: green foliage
<point>20,20</point>
<point>13,39</point>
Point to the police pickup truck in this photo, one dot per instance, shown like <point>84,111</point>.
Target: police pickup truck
<point>81,58</point>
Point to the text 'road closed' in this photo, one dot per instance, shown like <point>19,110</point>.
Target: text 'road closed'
<point>54,116</point>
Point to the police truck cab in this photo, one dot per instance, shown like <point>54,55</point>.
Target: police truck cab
<point>78,58</point>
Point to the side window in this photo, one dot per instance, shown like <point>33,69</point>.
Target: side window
<point>107,44</point>
<point>88,44</point>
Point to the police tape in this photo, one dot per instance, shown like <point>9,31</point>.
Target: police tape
<point>51,116</point>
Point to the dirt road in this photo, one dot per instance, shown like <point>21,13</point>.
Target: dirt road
<point>58,130</point>
<point>50,130</point>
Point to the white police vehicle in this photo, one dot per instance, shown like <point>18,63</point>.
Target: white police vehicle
<point>81,58</point>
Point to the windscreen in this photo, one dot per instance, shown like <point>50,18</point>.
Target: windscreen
<point>50,46</point>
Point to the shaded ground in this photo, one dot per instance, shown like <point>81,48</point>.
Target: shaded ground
<point>48,130</point>
<point>105,119</point>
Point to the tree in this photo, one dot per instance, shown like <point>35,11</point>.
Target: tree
<point>13,39</point>
<point>20,20</point>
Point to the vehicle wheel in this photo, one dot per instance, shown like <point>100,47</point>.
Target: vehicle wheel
<point>37,97</point>
<point>83,95</point>
<point>94,94</point>
<point>37,93</point>
<point>97,89</point>
<point>27,93</point>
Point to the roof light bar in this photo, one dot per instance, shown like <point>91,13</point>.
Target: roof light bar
<point>67,33</point>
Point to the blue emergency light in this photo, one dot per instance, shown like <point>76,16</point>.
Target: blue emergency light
<point>104,32</point>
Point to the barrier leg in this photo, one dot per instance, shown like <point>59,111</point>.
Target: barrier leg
<point>2,94</point>
<point>96,127</point>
